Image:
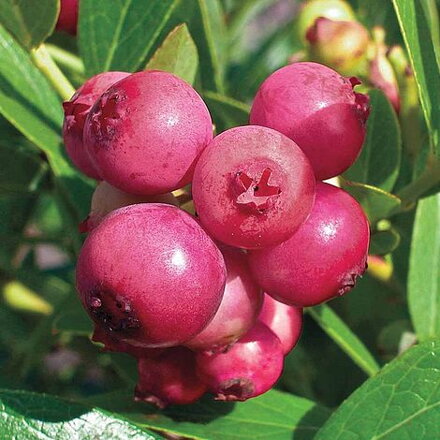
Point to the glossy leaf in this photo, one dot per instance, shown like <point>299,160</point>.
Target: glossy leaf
<point>177,54</point>
<point>31,105</point>
<point>118,35</point>
<point>377,204</point>
<point>384,242</point>
<point>227,112</point>
<point>341,334</point>
<point>379,162</point>
<point>415,28</point>
<point>30,415</point>
<point>205,23</point>
<point>401,402</point>
<point>23,172</point>
<point>29,22</point>
<point>424,269</point>
<point>274,415</point>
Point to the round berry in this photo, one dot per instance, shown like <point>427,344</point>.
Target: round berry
<point>169,379</point>
<point>145,133</point>
<point>317,108</point>
<point>238,310</point>
<point>285,321</point>
<point>252,187</point>
<point>75,113</point>
<point>323,258</point>
<point>150,275</point>
<point>249,368</point>
<point>107,198</point>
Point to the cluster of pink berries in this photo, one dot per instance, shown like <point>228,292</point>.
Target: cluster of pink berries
<point>213,302</point>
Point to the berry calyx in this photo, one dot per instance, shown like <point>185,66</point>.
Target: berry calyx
<point>252,187</point>
<point>75,113</point>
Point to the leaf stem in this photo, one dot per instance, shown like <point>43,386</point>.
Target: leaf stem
<point>427,180</point>
<point>66,59</point>
<point>52,72</point>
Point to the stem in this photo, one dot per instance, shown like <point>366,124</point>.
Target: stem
<point>52,72</point>
<point>66,59</point>
<point>427,180</point>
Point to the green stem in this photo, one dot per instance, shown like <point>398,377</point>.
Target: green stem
<point>52,72</point>
<point>66,59</point>
<point>427,180</point>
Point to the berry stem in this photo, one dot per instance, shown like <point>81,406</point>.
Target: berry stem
<point>338,331</point>
<point>427,180</point>
<point>43,60</point>
<point>66,59</point>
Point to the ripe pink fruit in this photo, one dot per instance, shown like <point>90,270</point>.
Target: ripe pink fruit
<point>68,17</point>
<point>107,198</point>
<point>150,275</point>
<point>285,321</point>
<point>145,134</point>
<point>169,379</point>
<point>250,368</point>
<point>75,112</point>
<point>238,310</point>
<point>323,258</point>
<point>317,108</point>
<point>252,187</point>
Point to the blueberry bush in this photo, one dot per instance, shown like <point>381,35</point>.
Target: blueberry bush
<point>220,219</point>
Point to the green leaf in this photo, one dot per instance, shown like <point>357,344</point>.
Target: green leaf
<point>205,21</point>
<point>341,334</point>
<point>384,242</point>
<point>274,415</point>
<point>30,22</point>
<point>377,203</point>
<point>401,402</point>
<point>32,106</point>
<point>424,269</point>
<point>30,415</point>
<point>379,162</point>
<point>24,171</point>
<point>177,54</point>
<point>118,35</point>
<point>415,28</point>
<point>227,112</point>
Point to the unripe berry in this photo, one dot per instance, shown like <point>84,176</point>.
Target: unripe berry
<point>285,321</point>
<point>313,9</point>
<point>169,379</point>
<point>317,108</point>
<point>68,17</point>
<point>323,258</point>
<point>250,368</point>
<point>342,45</point>
<point>252,187</point>
<point>150,275</point>
<point>107,198</point>
<point>238,310</point>
<point>145,134</point>
<point>75,113</point>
